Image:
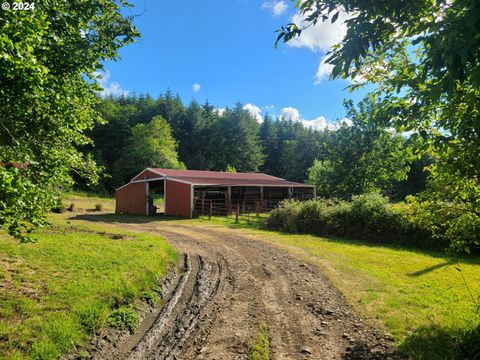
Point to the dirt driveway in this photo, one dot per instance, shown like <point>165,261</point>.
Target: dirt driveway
<point>230,283</point>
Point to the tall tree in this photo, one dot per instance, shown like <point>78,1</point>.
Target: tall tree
<point>269,139</point>
<point>361,158</point>
<point>238,140</point>
<point>46,58</point>
<point>150,145</point>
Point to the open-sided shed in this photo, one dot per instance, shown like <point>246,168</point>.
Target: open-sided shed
<point>182,188</point>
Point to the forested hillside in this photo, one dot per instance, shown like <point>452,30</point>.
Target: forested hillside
<point>141,131</point>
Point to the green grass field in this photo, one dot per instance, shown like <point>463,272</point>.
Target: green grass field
<point>55,293</point>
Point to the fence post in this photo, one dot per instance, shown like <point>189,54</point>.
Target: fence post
<point>257,208</point>
<point>210,213</point>
<point>203,206</point>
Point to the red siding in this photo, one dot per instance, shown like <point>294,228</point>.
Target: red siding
<point>178,197</point>
<point>147,174</point>
<point>131,199</point>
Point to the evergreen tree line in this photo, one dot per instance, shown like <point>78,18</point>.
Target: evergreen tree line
<point>140,131</point>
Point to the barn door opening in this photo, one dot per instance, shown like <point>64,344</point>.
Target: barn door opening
<point>156,197</point>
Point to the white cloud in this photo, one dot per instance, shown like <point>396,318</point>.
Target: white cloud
<point>276,7</point>
<point>290,113</point>
<point>109,88</point>
<point>196,87</point>
<point>319,123</point>
<point>321,36</point>
<point>220,111</point>
<point>323,72</point>
<point>254,111</point>
<point>346,122</point>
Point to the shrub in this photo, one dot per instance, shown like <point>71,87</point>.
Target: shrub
<point>285,217</point>
<point>369,217</point>
<point>450,223</point>
<point>124,318</point>
<point>98,207</point>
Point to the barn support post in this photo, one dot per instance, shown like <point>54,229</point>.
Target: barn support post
<point>147,199</point>
<point>229,194</point>
<point>290,192</point>
<point>315,193</point>
<point>165,197</point>
<point>192,201</point>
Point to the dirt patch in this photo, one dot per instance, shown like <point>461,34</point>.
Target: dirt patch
<point>76,229</point>
<point>15,280</point>
<point>229,285</point>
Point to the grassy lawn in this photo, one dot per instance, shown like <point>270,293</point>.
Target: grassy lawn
<point>418,296</point>
<point>55,293</point>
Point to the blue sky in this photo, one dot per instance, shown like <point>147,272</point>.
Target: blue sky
<point>226,48</point>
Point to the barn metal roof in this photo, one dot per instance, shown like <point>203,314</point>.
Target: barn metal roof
<point>218,178</point>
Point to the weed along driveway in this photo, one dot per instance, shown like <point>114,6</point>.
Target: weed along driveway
<point>236,294</point>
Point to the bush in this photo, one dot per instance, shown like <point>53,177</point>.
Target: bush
<point>369,217</point>
<point>124,318</point>
<point>98,207</point>
<point>449,222</point>
<point>285,217</point>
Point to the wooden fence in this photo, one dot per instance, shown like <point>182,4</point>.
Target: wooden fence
<point>245,211</point>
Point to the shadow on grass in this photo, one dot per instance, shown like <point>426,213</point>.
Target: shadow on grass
<point>432,268</point>
<point>125,219</point>
<point>439,343</point>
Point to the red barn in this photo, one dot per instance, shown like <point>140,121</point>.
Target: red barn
<point>182,188</point>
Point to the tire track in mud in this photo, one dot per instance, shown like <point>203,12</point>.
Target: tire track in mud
<point>165,338</point>
<point>228,285</point>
